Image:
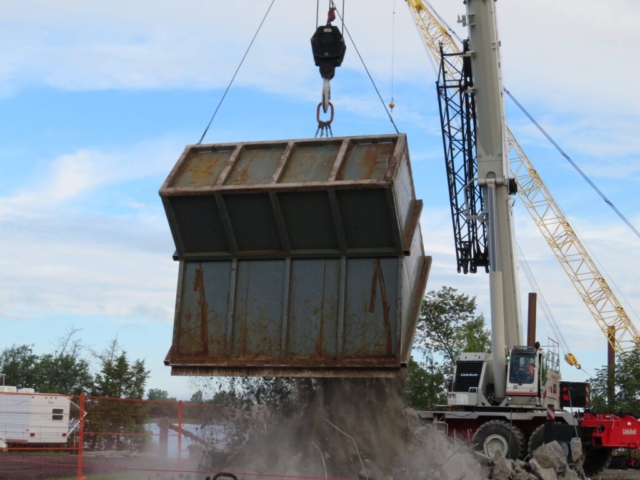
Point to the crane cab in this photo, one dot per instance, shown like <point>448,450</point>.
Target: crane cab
<point>533,376</point>
<point>533,379</point>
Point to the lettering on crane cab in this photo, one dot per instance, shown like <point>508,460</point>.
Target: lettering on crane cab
<point>629,431</point>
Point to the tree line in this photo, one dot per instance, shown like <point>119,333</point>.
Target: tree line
<point>69,369</point>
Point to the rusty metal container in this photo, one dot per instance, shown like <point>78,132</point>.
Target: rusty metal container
<point>297,258</point>
<point>326,197</point>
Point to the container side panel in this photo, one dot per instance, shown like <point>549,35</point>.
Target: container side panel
<point>367,161</point>
<point>309,221</point>
<point>313,310</point>
<point>199,224</point>
<point>371,308</point>
<point>202,169</point>
<point>253,222</point>
<point>404,194</point>
<point>255,166</point>
<point>366,218</point>
<point>311,163</point>
<point>414,282</point>
<point>204,309</point>
<point>257,325</point>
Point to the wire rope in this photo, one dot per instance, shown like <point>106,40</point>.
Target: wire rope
<point>573,164</point>
<point>393,47</point>
<point>368,73</point>
<point>236,72</point>
<point>545,308</point>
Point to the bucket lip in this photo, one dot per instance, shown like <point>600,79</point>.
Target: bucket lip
<point>168,188</point>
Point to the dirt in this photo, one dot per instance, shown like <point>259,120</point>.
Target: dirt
<point>612,474</point>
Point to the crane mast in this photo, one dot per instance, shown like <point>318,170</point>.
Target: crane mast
<point>493,179</point>
<point>556,229</point>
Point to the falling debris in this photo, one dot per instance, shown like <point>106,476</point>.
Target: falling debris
<point>336,428</point>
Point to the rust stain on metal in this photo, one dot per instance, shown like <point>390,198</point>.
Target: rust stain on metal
<point>203,307</point>
<point>378,280</point>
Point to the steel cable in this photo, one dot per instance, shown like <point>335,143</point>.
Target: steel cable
<point>236,73</point>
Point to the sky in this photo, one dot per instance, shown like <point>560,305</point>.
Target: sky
<point>98,100</point>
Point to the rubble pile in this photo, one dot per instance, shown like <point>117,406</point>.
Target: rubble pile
<point>549,462</point>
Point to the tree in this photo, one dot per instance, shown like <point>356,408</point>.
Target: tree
<point>116,424</point>
<point>118,377</point>
<point>19,365</point>
<point>425,385</point>
<point>627,382</point>
<point>65,371</point>
<point>157,394</point>
<point>448,326</point>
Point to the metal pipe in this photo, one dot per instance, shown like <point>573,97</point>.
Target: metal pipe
<point>531,319</point>
<point>611,367</point>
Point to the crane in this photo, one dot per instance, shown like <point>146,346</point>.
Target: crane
<point>565,244</point>
<point>498,399</point>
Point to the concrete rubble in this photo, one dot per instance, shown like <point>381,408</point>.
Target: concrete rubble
<point>549,462</point>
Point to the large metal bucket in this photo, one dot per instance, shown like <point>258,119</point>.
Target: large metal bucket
<point>297,258</point>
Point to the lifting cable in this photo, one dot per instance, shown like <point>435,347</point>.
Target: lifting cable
<point>236,73</point>
<point>573,164</point>
<point>367,70</point>
<point>393,51</point>
<point>555,328</point>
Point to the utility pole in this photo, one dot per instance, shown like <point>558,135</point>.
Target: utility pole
<point>611,368</point>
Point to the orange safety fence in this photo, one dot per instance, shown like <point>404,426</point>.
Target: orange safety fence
<point>60,437</point>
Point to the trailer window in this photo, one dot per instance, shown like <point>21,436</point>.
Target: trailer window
<point>57,414</point>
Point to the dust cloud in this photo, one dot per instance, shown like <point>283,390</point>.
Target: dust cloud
<point>334,428</point>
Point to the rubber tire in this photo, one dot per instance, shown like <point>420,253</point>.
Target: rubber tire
<point>512,435</point>
<point>596,461</point>
<point>536,439</point>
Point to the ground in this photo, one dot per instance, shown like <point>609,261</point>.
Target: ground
<point>612,474</point>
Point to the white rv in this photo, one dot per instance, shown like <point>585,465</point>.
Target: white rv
<point>27,417</point>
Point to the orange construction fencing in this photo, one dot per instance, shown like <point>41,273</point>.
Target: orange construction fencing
<point>60,437</point>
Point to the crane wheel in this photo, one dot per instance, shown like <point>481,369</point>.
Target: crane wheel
<point>498,435</point>
<point>596,461</point>
<point>536,440</point>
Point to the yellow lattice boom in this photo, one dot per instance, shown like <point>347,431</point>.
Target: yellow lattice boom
<point>545,211</point>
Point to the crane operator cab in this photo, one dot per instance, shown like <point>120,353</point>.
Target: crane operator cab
<point>528,378</point>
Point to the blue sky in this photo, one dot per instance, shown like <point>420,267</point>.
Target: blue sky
<point>98,99</point>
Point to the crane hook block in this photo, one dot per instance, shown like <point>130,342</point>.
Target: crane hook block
<point>328,48</point>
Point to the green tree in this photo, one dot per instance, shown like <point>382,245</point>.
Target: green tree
<point>63,373</point>
<point>20,366</point>
<point>65,370</point>
<point>448,325</point>
<point>118,376</point>
<point>627,383</point>
<point>425,385</point>
<point>115,424</point>
<point>157,394</point>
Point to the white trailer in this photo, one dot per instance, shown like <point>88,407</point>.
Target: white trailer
<point>31,418</point>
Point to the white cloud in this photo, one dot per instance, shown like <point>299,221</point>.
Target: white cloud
<point>64,255</point>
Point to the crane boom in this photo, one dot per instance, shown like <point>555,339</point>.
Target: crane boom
<point>543,208</point>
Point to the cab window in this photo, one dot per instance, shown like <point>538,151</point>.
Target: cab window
<point>543,369</point>
<point>522,368</point>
